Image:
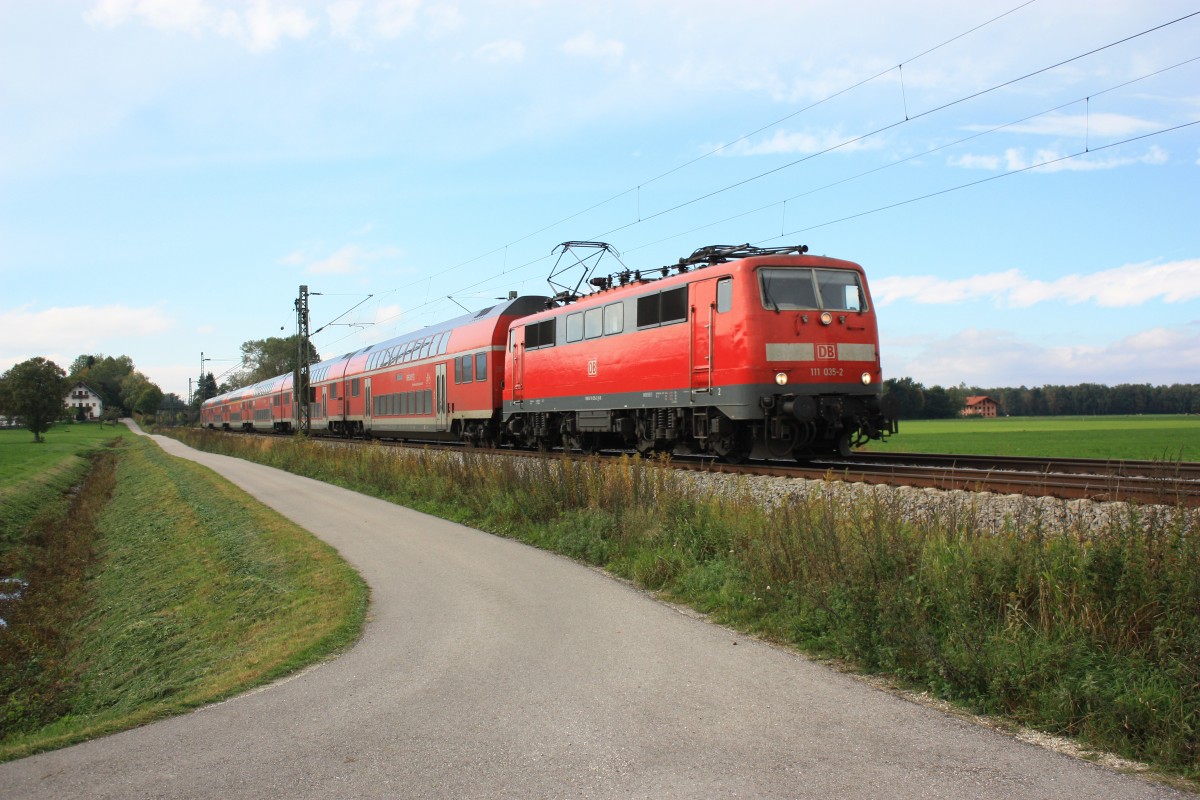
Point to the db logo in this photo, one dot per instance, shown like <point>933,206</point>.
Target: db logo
<point>592,369</point>
<point>826,352</point>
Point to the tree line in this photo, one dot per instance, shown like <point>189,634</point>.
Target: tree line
<point>915,401</point>
<point>261,359</point>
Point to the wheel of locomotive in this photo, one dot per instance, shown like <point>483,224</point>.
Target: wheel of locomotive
<point>735,447</point>
<point>844,448</point>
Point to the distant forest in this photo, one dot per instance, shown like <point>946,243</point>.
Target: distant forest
<point>935,402</point>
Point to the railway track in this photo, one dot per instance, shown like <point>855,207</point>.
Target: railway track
<point>1146,482</point>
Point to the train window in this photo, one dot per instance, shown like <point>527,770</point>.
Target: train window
<point>539,334</point>
<point>355,387</point>
<point>614,318</point>
<point>428,397</point>
<point>840,290</point>
<point>481,366</point>
<point>662,308</point>
<point>724,295</point>
<point>443,342</point>
<point>465,368</point>
<point>457,371</point>
<point>788,289</point>
<point>575,327</point>
<point>593,322</point>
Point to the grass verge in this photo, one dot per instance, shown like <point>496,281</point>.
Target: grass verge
<point>1091,632</point>
<point>194,593</point>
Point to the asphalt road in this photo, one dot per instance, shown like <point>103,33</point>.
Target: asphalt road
<point>491,669</point>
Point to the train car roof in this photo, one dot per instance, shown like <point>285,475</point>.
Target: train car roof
<point>520,306</point>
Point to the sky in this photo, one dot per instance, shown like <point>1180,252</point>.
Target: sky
<point>1021,180</point>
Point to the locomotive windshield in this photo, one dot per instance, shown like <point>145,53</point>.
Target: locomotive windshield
<point>800,288</point>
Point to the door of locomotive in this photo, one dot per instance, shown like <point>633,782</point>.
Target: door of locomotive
<point>439,400</point>
<point>516,354</point>
<point>702,318</point>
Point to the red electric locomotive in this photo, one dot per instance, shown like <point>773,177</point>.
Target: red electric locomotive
<point>743,352</point>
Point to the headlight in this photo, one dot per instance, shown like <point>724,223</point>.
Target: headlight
<point>826,318</point>
<point>866,379</point>
<point>781,378</point>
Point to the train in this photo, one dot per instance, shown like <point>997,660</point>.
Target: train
<point>735,351</point>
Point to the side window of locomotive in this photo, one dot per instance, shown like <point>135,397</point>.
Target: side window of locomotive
<point>662,308</point>
<point>481,366</point>
<point>788,289</point>
<point>614,318</point>
<point>593,322</point>
<point>575,327</point>
<point>539,334</point>
<point>724,295</point>
<point>840,290</point>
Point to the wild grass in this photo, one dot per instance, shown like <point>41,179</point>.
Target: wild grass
<point>194,593</point>
<point>35,476</point>
<point>1090,633</point>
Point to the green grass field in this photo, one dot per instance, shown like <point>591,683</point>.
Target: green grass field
<point>154,586</point>
<point>33,476</point>
<point>1164,438</point>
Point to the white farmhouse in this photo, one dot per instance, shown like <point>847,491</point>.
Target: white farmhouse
<point>83,396</point>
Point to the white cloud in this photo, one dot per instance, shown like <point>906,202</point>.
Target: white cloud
<point>74,330</point>
<point>189,16</point>
<point>1052,160</point>
<point>1001,358</point>
<point>343,17</point>
<point>990,163</point>
<point>394,18</point>
<point>1129,285</point>
<point>587,45</point>
<point>784,142</point>
<point>347,260</point>
<point>504,51</point>
<point>1079,125</point>
<point>259,25</point>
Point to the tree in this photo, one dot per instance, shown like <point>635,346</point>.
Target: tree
<point>908,395</point>
<point>207,388</point>
<point>34,390</point>
<point>940,404</point>
<point>267,358</point>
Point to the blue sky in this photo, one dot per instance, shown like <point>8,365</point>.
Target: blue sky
<point>172,170</point>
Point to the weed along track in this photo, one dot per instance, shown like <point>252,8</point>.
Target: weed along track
<point>1100,480</point>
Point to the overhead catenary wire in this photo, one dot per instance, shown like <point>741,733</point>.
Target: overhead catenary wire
<point>744,137</point>
<point>641,218</point>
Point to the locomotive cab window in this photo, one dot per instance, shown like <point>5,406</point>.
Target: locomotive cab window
<point>724,295</point>
<point>792,289</point>
<point>840,290</point>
